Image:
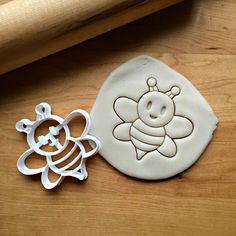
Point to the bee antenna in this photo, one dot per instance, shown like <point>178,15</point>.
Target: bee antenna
<point>152,84</point>
<point>174,91</point>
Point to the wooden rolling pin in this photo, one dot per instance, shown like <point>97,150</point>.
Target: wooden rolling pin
<point>33,29</point>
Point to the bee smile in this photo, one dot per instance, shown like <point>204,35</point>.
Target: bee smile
<point>152,116</point>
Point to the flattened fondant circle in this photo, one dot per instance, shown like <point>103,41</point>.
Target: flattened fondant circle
<point>151,121</point>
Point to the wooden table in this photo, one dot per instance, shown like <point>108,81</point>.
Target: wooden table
<point>198,39</point>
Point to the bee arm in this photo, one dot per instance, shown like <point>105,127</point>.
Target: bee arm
<point>122,131</point>
<point>168,148</point>
<point>179,127</point>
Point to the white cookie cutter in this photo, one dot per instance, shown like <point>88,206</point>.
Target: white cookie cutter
<point>43,111</point>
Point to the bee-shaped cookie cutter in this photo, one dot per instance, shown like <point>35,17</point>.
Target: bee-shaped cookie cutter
<point>43,111</point>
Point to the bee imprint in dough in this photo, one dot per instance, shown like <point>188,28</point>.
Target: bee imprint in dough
<point>154,125</point>
<point>151,121</point>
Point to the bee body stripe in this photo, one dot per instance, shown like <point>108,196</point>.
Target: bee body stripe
<point>142,146</point>
<point>146,138</point>
<point>153,131</point>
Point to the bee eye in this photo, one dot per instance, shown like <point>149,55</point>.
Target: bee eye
<point>163,109</point>
<point>149,105</point>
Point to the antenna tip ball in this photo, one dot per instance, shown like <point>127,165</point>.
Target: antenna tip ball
<point>151,82</point>
<point>175,90</point>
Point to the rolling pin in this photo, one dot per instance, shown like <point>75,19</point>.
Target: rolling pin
<point>31,30</point>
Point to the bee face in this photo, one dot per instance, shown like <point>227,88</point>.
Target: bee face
<point>45,139</point>
<point>155,109</point>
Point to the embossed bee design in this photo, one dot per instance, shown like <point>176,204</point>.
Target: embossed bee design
<point>150,123</point>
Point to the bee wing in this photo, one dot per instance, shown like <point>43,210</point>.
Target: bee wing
<point>86,122</point>
<point>179,127</point>
<point>122,131</point>
<point>126,109</point>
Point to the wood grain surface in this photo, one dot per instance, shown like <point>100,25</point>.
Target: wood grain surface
<point>196,38</point>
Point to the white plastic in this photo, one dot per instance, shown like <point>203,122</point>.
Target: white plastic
<point>43,111</point>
